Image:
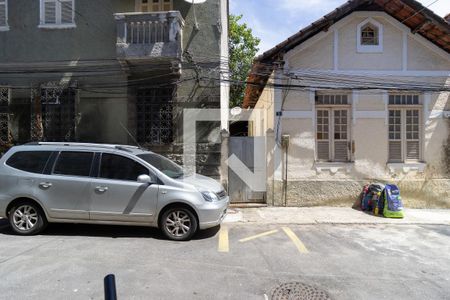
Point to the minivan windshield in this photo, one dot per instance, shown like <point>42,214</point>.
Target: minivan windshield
<point>163,164</point>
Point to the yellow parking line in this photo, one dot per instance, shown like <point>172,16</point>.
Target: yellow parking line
<point>298,243</point>
<point>223,240</point>
<point>258,236</point>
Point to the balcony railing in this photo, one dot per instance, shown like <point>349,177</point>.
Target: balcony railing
<point>149,35</point>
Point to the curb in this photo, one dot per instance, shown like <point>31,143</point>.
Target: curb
<point>246,222</point>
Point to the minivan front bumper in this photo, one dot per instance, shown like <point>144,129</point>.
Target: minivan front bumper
<point>212,214</point>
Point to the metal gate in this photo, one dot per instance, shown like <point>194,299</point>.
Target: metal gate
<point>53,115</point>
<point>154,110</point>
<point>4,116</point>
<point>244,148</point>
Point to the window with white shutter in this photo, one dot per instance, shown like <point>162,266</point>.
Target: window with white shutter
<point>395,135</point>
<point>404,128</point>
<point>340,137</point>
<point>3,14</point>
<point>50,12</point>
<point>323,135</point>
<point>333,128</point>
<point>57,13</point>
<point>412,134</point>
<point>67,12</point>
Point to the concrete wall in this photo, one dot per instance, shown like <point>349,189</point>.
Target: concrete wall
<point>317,53</point>
<point>319,57</point>
<point>93,38</point>
<point>350,59</point>
<point>263,117</point>
<point>105,94</point>
<point>312,183</point>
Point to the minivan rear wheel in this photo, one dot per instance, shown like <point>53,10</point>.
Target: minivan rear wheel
<point>27,218</point>
<point>178,224</point>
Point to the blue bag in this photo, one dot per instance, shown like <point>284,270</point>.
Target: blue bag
<point>393,206</point>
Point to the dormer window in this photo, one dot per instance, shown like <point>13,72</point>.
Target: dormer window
<point>370,37</point>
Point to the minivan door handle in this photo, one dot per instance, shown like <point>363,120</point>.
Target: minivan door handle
<point>101,189</point>
<point>45,185</point>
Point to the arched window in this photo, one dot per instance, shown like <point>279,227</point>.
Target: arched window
<point>369,35</point>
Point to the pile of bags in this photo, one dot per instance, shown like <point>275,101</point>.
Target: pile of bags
<point>382,199</point>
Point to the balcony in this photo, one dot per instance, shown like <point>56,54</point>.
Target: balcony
<point>147,36</point>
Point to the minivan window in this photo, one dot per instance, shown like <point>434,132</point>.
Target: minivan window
<point>74,163</point>
<point>163,164</point>
<point>120,168</point>
<point>29,161</point>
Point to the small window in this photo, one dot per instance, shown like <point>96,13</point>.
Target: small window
<point>121,168</point>
<point>3,14</point>
<point>57,13</point>
<point>331,99</point>
<point>74,164</point>
<point>156,5</point>
<point>404,99</point>
<point>29,161</point>
<point>370,36</point>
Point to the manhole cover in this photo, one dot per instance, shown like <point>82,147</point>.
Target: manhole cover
<point>298,291</point>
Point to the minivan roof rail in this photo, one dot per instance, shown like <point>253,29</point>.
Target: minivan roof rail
<point>69,144</point>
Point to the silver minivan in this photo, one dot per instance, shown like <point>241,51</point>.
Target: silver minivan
<point>105,184</point>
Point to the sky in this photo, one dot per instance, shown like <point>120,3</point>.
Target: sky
<point>273,21</point>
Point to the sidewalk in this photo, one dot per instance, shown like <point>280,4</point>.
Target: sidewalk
<point>331,215</point>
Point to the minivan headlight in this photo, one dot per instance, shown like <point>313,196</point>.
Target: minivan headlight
<point>210,196</point>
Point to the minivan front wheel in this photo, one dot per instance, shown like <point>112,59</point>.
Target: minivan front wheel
<point>179,224</point>
<point>27,218</point>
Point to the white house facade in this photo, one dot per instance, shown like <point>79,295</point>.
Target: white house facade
<point>361,95</point>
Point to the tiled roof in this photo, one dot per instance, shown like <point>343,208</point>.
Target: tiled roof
<point>411,13</point>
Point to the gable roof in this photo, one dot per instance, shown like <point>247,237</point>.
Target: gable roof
<point>411,13</point>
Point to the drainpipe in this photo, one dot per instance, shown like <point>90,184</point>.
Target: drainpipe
<point>285,140</point>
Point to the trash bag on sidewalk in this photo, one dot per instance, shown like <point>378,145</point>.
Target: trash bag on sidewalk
<point>370,196</point>
<point>382,199</point>
<point>365,198</point>
<point>392,204</point>
<point>376,190</point>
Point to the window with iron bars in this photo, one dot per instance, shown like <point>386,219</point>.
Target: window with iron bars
<point>4,115</point>
<point>154,110</point>
<point>58,113</point>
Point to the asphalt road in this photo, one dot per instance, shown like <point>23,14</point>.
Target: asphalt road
<point>235,262</point>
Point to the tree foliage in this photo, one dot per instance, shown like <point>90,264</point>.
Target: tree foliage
<point>243,48</point>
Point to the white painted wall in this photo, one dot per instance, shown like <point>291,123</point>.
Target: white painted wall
<point>404,57</point>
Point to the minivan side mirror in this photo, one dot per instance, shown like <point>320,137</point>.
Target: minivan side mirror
<point>145,179</point>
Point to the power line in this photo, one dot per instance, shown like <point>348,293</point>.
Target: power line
<point>419,11</point>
